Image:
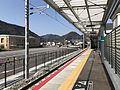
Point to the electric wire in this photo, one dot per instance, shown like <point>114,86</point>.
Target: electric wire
<point>50,16</point>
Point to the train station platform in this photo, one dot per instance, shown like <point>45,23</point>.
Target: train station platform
<point>84,72</point>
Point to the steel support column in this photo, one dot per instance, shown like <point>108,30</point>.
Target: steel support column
<point>26,39</point>
<point>102,43</point>
<point>83,40</point>
<point>115,55</point>
<point>111,52</point>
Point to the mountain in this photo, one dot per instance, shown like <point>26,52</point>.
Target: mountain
<point>51,37</point>
<point>72,36</point>
<point>57,38</point>
<point>11,29</point>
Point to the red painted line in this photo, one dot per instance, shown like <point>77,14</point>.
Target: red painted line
<point>37,87</point>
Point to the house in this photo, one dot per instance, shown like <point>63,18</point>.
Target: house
<point>16,41</point>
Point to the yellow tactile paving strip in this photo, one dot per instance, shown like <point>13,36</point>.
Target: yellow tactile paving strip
<point>70,81</point>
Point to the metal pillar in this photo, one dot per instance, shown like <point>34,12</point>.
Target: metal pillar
<point>115,54</point>
<point>111,52</point>
<point>26,39</point>
<point>83,40</point>
<point>102,43</point>
<point>14,66</point>
<point>5,74</point>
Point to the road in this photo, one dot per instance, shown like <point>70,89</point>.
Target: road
<point>19,60</point>
<point>32,50</point>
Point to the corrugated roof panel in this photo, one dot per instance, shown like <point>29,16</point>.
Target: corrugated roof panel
<point>97,17</point>
<point>79,26</point>
<point>82,14</point>
<point>85,13</point>
<point>60,3</point>
<point>96,14</point>
<point>70,15</point>
<point>97,2</point>
<point>77,2</point>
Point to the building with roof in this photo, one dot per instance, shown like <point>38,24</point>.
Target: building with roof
<point>15,42</point>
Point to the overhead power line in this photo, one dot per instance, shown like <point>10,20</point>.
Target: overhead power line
<point>37,10</point>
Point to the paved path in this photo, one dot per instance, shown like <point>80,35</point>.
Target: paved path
<point>94,73</point>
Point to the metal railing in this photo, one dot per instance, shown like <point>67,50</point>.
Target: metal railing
<point>12,66</point>
<point>112,49</point>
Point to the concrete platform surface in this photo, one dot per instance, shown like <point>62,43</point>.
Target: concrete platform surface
<point>84,72</point>
<point>95,72</point>
<point>58,78</point>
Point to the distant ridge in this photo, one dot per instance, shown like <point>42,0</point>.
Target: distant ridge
<point>72,36</point>
<point>52,37</point>
<point>57,38</point>
<point>12,29</point>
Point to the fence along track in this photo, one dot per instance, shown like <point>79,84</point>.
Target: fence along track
<point>28,83</point>
<point>46,59</point>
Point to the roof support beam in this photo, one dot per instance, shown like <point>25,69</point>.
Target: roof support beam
<point>67,8</point>
<point>88,14</point>
<point>93,28</point>
<point>112,5</point>
<point>53,5</point>
<point>82,7</point>
<point>96,4</point>
<point>93,22</point>
<point>70,7</point>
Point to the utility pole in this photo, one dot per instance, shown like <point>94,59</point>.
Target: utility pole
<point>26,39</point>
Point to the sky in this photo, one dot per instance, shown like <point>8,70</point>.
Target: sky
<point>12,11</point>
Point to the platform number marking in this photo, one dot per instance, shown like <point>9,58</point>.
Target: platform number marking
<point>83,85</point>
<point>80,85</point>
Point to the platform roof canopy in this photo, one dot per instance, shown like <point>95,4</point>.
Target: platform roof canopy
<point>86,15</point>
